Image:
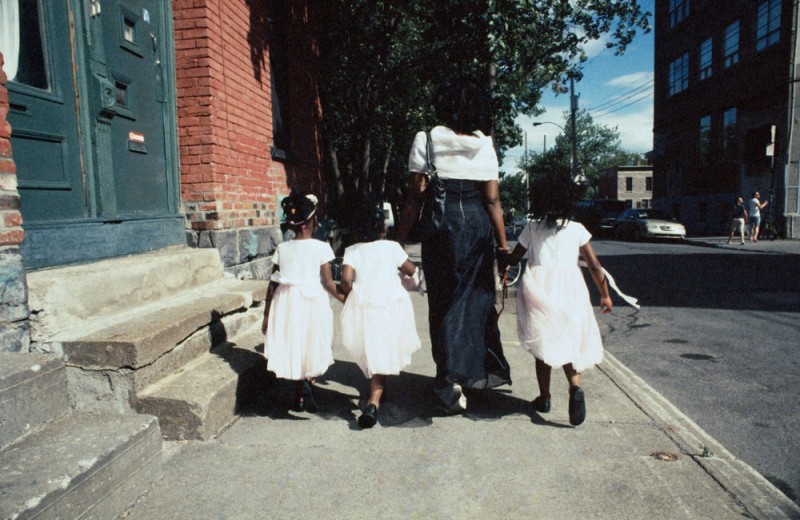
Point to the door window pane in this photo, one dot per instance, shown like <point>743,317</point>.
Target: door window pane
<point>22,43</point>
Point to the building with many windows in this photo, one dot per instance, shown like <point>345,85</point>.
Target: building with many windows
<point>724,103</point>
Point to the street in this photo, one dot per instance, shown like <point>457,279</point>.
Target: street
<point>717,336</point>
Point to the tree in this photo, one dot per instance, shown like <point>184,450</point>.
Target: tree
<point>380,60</point>
<point>514,193</point>
<point>598,147</point>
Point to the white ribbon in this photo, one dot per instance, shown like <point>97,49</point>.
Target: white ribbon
<point>630,300</point>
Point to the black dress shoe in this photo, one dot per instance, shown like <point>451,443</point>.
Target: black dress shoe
<point>298,405</point>
<point>577,406</point>
<point>369,417</point>
<point>541,404</point>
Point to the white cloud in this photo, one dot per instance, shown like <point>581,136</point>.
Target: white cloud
<point>634,79</point>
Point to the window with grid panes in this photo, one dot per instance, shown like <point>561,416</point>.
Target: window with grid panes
<point>704,144</point>
<point>729,131</point>
<point>768,24</point>
<point>678,10</point>
<point>706,49</point>
<point>731,45</point>
<point>679,75</point>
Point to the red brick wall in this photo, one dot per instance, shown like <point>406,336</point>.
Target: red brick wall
<point>11,233</point>
<point>228,179</point>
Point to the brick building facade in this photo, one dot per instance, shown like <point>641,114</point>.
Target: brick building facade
<point>632,184</point>
<point>240,79</point>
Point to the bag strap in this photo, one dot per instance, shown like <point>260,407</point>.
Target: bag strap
<point>430,165</point>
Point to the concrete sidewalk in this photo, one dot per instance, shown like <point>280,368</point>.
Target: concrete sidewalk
<point>788,247</point>
<point>636,456</point>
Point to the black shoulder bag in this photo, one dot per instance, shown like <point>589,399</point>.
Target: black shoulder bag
<point>431,217</point>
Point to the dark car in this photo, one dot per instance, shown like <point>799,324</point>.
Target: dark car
<point>636,224</point>
<point>598,215</point>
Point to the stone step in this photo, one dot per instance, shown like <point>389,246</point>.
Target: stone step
<point>200,400</point>
<point>88,466</point>
<point>138,337</point>
<point>62,297</point>
<point>33,392</point>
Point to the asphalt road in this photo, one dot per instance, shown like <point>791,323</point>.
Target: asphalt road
<point>717,335</point>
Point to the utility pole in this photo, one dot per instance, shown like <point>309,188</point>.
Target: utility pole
<point>573,106</point>
<point>527,179</point>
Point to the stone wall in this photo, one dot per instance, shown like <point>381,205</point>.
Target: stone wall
<point>14,313</point>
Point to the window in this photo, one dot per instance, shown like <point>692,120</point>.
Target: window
<point>705,137</point>
<point>731,45</point>
<point>679,75</point>
<point>628,183</point>
<point>729,131</point>
<point>22,42</point>
<point>648,184</point>
<point>678,10</point>
<point>706,53</point>
<point>768,25</point>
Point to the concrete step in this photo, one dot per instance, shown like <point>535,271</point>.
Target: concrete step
<point>62,297</point>
<point>88,466</point>
<point>33,392</point>
<point>139,336</point>
<point>200,400</point>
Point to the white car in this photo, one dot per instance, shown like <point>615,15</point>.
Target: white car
<point>636,224</point>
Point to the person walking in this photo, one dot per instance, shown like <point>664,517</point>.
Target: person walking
<point>754,207</point>
<point>738,220</point>
<point>298,319</point>
<point>459,258</point>
<point>378,326</point>
<point>555,319</point>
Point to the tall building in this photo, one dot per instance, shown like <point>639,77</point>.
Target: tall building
<point>724,110</point>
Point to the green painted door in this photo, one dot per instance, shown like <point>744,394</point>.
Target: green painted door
<point>43,114</point>
<point>132,133</point>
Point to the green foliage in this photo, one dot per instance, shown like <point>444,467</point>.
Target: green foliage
<point>380,60</point>
<point>598,148</point>
<point>514,193</point>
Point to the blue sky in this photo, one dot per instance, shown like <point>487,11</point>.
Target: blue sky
<point>617,91</point>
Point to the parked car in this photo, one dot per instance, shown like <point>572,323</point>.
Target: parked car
<point>598,215</point>
<point>636,224</point>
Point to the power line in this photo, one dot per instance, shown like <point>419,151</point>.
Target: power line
<point>640,99</point>
<point>622,97</point>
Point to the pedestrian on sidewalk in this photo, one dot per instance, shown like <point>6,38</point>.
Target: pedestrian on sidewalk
<point>298,319</point>
<point>738,220</point>
<point>754,207</point>
<point>555,319</point>
<point>459,258</point>
<point>378,326</point>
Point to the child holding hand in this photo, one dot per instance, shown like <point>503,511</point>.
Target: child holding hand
<point>298,319</point>
<point>555,319</point>
<point>378,325</point>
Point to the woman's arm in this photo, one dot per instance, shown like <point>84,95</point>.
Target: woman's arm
<point>599,277</point>
<point>491,202</point>
<point>412,206</point>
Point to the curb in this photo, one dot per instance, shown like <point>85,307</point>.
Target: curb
<point>754,493</point>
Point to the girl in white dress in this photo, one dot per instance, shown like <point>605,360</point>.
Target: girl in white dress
<point>555,319</point>
<point>378,325</point>
<point>298,319</point>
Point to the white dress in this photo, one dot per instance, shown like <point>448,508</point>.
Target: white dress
<point>299,340</point>
<point>555,319</point>
<point>378,325</point>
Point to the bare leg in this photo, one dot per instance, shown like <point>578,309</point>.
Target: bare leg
<point>376,385</point>
<point>543,378</point>
<point>573,376</point>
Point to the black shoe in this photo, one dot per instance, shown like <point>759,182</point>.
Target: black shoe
<point>577,406</point>
<point>298,405</point>
<point>541,404</point>
<point>308,399</point>
<point>369,417</point>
